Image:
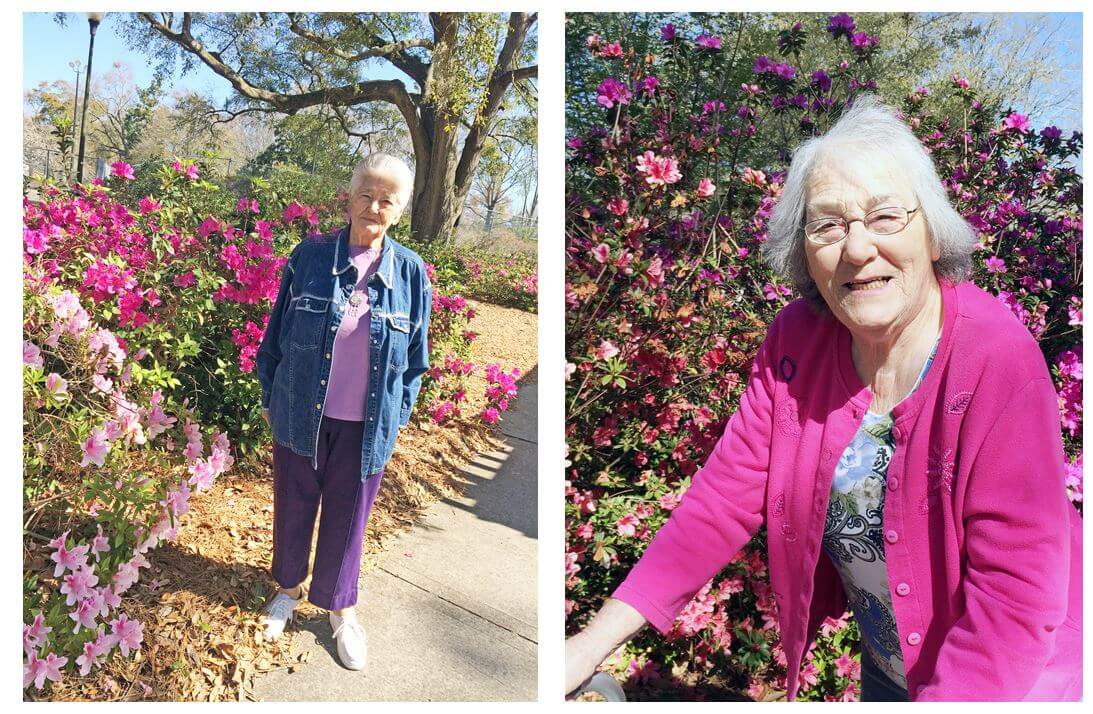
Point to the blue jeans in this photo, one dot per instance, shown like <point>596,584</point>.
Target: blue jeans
<point>875,684</point>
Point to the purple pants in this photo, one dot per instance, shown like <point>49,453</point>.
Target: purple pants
<point>346,500</point>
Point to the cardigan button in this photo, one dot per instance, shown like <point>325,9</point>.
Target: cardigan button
<point>897,432</point>
<point>914,638</point>
<point>891,536</point>
<point>903,589</point>
<point>918,690</point>
<point>893,483</point>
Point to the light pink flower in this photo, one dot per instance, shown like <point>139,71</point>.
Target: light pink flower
<point>56,384</point>
<point>85,614</point>
<point>627,525</point>
<point>129,633</point>
<point>705,188</point>
<point>38,671</point>
<point>202,475</point>
<point>100,544</point>
<point>34,634</point>
<point>32,354</point>
<point>570,368</point>
<point>65,558</point>
<point>78,584</point>
<point>95,449</point>
<point>125,577</point>
<point>606,350</point>
<point>602,253</point>
<point>659,170</point>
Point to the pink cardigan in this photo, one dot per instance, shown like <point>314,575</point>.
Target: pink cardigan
<point>983,549</point>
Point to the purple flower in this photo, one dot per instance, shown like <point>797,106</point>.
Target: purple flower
<point>994,264</point>
<point>762,65</point>
<point>862,43</point>
<point>821,80</point>
<point>1050,133</point>
<point>785,71</point>
<point>841,24</point>
<point>667,32</point>
<point>709,42</point>
<point>612,91</point>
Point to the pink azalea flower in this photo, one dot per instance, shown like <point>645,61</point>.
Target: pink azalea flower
<point>78,584</point>
<point>618,206</point>
<point>125,577</point>
<point>34,634</point>
<point>100,544</point>
<point>1016,122</point>
<point>659,170</point>
<point>64,558</point>
<point>606,350</point>
<point>705,188</point>
<point>38,671</point>
<point>85,614</point>
<point>611,92</point>
<point>191,172</point>
<point>149,205</point>
<point>56,385</point>
<point>201,475</point>
<point>32,354</point>
<point>108,600</point>
<point>570,368</point>
<point>490,415</point>
<point>129,633</point>
<point>95,449</point>
<point>994,264</point>
<point>627,525</point>
<point>847,666</point>
<point>122,170</point>
<point>102,384</point>
<point>602,253</point>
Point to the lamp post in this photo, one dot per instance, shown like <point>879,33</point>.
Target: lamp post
<point>93,20</point>
<point>75,66</point>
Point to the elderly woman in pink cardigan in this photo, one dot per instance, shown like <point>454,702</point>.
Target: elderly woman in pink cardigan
<point>899,436</point>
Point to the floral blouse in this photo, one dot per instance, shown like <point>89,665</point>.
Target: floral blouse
<point>853,536</point>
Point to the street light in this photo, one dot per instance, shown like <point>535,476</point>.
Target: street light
<point>74,65</point>
<point>93,20</point>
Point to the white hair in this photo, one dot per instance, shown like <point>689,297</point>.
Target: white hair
<point>867,127</point>
<point>388,167</point>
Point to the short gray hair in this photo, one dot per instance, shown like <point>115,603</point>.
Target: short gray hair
<point>389,167</point>
<point>871,125</point>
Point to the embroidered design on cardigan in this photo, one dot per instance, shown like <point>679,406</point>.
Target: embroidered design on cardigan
<point>786,417</point>
<point>780,504</point>
<point>958,403</point>
<point>939,469</point>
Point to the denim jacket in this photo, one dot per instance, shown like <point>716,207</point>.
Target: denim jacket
<point>295,355</point>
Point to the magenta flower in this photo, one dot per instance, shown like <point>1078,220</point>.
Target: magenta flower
<point>602,253</point>
<point>994,264</point>
<point>821,81</point>
<point>490,415</point>
<point>959,82</point>
<point>667,32</point>
<point>659,170</point>
<point>611,92</point>
<point>785,71</point>
<point>122,170</point>
<point>610,50</point>
<point>1016,122</point>
<point>862,42</point>
<point>840,25</point>
<point>847,666</point>
<point>129,633</point>
<point>649,85</point>
<point>763,64</point>
<point>148,205</point>
<point>709,42</point>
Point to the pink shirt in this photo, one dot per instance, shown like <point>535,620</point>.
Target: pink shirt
<point>350,359</point>
<point>984,551</point>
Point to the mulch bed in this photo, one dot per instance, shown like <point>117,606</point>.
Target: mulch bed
<point>201,599</point>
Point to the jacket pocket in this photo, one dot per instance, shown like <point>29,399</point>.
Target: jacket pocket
<point>398,336</point>
<point>308,320</point>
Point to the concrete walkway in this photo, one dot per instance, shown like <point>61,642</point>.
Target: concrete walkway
<point>451,610</point>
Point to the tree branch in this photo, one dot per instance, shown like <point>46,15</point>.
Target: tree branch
<point>327,44</point>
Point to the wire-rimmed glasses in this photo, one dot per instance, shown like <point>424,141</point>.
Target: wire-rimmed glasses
<point>882,221</point>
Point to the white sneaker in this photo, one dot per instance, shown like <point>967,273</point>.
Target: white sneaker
<point>352,641</point>
<point>278,613</point>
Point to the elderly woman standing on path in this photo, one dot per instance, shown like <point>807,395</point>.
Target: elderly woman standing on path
<point>340,366</point>
<point>900,437</point>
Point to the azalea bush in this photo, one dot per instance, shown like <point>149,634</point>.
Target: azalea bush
<point>511,280</point>
<point>106,474</point>
<point>668,196</point>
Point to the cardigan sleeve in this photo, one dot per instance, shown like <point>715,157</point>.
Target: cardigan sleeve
<point>1017,539</point>
<point>718,515</point>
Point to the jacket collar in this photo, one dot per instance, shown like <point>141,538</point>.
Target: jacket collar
<point>386,269</point>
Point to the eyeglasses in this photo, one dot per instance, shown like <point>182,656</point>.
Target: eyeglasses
<point>881,221</point>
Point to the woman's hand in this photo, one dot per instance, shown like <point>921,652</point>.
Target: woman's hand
<point>265,415</point>
<point>613,625</point>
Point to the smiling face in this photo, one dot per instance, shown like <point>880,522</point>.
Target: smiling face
<point>374,205</point>
<point>874,284</point>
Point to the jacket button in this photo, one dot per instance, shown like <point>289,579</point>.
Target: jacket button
<point>893,483</point>
<point>328,355</point>
<point>318,406</point>
<point>914,638</point>
<point>322,381</point>
<point>891,536</point>
<point>334,328</point>
<point>903,589</point>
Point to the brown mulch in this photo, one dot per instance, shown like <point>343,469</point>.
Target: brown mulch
<point>200,601</point>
